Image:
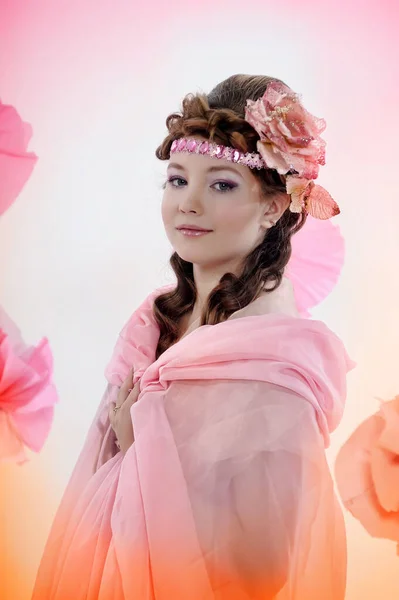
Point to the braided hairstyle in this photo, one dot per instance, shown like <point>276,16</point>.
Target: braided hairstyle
<point>219,117</point>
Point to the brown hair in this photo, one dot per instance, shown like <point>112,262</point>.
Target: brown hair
<point>219,117</point>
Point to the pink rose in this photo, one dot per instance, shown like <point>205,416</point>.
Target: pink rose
<point>289,134</point>
<point>367,472</point>
<point>16,164</point>
<point>27,394</point>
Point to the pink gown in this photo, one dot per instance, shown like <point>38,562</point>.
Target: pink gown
<point>226,492</point>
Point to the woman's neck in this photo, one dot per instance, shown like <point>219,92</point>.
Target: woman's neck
<point>206,279</point>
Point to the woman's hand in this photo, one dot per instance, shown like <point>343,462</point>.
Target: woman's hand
<point>119,413</point>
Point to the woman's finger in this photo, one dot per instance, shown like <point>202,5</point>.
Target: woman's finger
<point>134,394</point>
<point>128,383</point>
<point>111,413</point>
<point>125,388</point>
<point>123,394</point>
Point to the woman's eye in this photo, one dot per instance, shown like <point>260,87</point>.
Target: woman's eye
<point>220,186</point>
<point>224,186</point>
<point>177,181</point>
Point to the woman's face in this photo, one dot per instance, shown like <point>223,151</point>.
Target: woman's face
<point>220,196</point>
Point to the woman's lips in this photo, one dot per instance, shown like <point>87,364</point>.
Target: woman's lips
<point>193,232</point>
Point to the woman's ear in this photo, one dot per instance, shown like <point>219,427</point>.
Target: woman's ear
<point>274,208</point>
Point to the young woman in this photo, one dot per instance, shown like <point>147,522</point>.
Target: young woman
<point>204,473</point>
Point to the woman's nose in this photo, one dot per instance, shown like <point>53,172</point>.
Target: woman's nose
<point>190,201</point>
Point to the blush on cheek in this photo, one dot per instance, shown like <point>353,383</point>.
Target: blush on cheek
<point>166,214</point>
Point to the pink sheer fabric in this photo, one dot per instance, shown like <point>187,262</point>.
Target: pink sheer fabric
<point>226,493</point>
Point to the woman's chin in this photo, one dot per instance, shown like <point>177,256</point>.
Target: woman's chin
<point>191,257</point>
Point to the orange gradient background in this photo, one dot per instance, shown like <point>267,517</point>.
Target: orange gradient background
<point>84,244</point>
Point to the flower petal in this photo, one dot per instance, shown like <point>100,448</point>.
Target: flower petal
<point>273,158</point>
<point>19,380</point>
<point>385,473</point>
<point>356,485</point>
<point>11,446</point>
<point>16,163</point>
<point>389,438</point>
<point>296,185</point>
<point>385,457</point>
<point>321,205</point>
<point>27,394</point>
<point>318,254</point>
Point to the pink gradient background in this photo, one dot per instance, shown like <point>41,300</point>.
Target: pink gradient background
<point>84,243</point>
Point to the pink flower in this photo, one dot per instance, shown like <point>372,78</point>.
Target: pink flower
<point>16,164</point>
<point>315,266</point>
<point>367,472</point>
<point>385,457</point>
<point>289,134</point>
<point>27,394</point>
<point>313,198</point>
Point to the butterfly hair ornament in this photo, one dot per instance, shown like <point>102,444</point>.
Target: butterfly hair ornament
<point>289,142</point>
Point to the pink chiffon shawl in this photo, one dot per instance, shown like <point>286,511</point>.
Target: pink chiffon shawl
<point>226,492</point>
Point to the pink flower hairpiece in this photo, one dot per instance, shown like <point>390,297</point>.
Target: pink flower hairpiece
<point>289,141</point>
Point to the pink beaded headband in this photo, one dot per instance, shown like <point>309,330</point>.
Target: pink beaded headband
<point>289,142</point>
<point>193,146</point>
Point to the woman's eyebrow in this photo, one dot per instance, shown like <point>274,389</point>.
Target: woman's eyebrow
<point>175,165</point>
<point>221,168</point>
